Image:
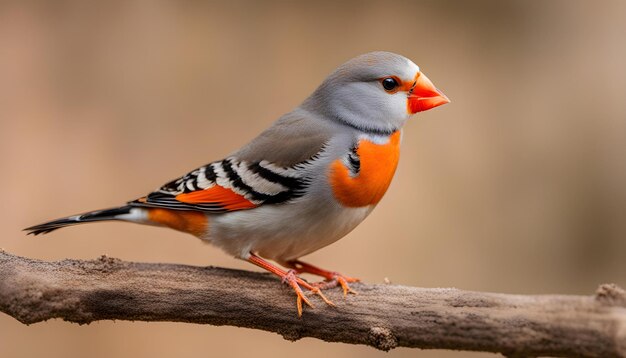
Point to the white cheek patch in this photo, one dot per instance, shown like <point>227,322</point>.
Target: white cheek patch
<point>398,107</point>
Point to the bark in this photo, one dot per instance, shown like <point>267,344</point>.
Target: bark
<point>383,316</point>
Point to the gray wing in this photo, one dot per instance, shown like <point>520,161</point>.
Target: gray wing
<point>263,172</point>
<point>293,139</point>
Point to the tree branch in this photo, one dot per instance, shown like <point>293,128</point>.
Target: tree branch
<point>383,316</point>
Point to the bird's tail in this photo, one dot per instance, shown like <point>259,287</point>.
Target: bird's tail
<point>120,213</point>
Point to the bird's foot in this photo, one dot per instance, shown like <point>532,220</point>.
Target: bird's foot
<point>338,280</point>
<point>297,283</point>
<point>333,279</point>
<point>291,278</point>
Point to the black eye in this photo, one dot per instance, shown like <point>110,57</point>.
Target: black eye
<point>390,83</point>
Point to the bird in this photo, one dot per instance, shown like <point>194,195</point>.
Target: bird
<point>305,182</point>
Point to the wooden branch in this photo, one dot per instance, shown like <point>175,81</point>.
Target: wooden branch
<point>382,315</point>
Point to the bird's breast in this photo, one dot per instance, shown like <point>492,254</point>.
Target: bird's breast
<point>362,177</point>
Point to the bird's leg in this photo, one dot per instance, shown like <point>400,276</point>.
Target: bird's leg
<point>332,278</point>
<point>293,280</point>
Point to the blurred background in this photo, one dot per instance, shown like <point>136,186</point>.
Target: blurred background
<point>517,186</point>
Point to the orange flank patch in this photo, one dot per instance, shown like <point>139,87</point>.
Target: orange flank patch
<point>224,197</point>
<point>378,165</point>
<point>193,222</point>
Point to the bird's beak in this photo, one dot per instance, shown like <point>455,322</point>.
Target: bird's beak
<point>424,96</point>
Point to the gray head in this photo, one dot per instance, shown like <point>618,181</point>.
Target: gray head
<point>375,92</point>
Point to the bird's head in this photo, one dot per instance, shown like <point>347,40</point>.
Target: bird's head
<point>377,91</point>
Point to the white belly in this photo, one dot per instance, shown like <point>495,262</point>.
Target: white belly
<point>284,232</point>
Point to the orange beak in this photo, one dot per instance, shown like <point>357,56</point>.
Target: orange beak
<point>424,96</point>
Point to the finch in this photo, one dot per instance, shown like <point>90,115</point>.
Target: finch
<point>303,183</point>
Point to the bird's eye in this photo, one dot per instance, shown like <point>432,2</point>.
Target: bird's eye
<point>390,84</point>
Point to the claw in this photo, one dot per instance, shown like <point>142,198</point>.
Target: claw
<point>291,278</point>
<point>343,281</point>
<point>299,305</point>
<point>318,291</point>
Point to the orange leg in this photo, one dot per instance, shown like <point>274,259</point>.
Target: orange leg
<point>332,278</point>
<point>294,281</point>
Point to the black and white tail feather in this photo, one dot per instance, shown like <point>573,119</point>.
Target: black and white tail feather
<point>98,215</point>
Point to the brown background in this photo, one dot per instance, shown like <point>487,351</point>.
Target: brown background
<point>518,185</point>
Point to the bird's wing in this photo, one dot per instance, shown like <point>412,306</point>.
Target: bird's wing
<point>294,138</point>
<point>266,171</point>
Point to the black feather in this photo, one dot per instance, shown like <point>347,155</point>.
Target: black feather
<point>98,215</point>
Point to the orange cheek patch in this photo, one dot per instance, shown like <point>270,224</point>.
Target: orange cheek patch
<point>224,197</point>
<point>378,165</point>
<point>192,222</point>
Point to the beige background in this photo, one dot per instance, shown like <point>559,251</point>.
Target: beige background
<point>518,185</point>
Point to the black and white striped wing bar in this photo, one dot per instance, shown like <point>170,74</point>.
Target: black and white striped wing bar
<point>260,183</point>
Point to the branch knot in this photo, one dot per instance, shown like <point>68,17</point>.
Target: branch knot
<point>382,338</point>
<point>611,294</point>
